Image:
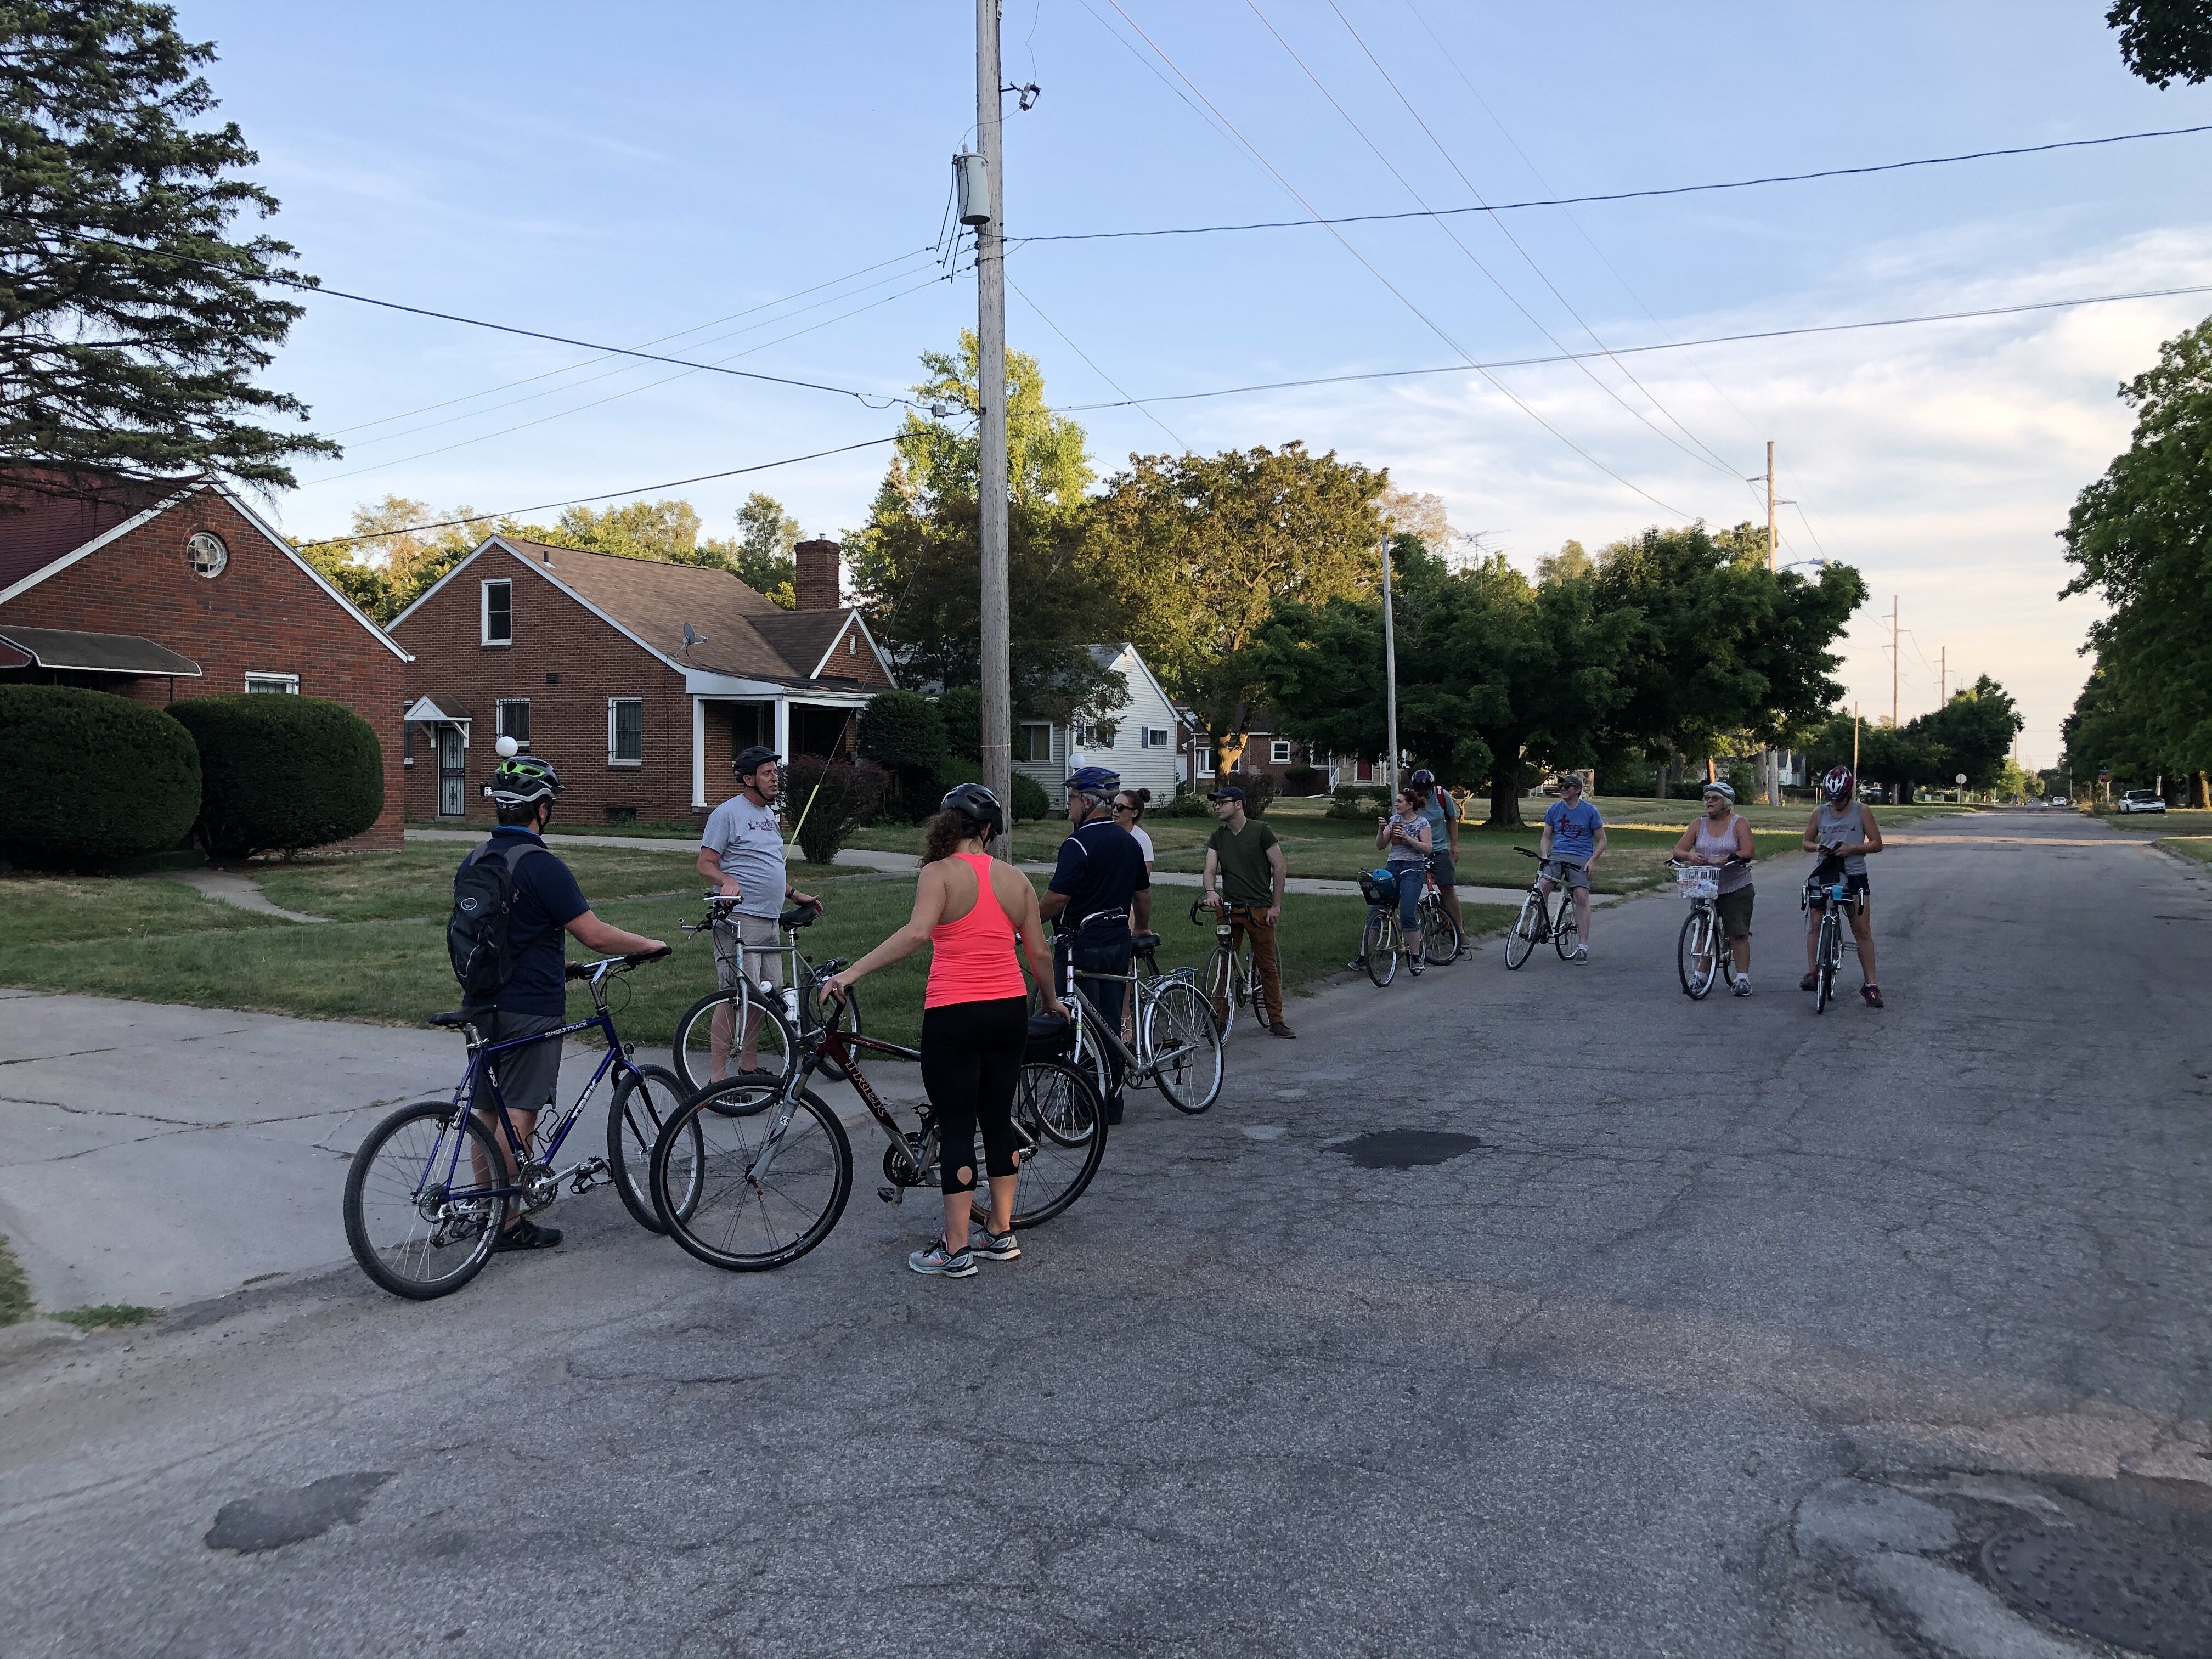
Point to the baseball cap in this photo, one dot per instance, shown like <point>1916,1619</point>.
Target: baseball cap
<point>1230,792</point>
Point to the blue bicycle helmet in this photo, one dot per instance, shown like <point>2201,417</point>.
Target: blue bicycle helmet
<point>1094,780</point>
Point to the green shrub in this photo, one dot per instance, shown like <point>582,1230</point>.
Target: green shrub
<point>902,732</point>
<point>1188,804</point>
<point>89,776</point>
<point>829,799</point>
<point>1301,780</point>
<point>281,773</point>
<point>1367,804</point>
<point>1260,792</point>
<point>1345,794</point>
<point>961,708</point>
<point>1031,801</point>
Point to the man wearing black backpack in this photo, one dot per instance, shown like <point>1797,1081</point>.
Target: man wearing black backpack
<point>521,968</point>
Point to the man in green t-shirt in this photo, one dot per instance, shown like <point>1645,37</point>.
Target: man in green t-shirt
<point>1244,866</point>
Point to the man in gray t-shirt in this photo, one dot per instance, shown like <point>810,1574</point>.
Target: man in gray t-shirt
<point>741,852</point>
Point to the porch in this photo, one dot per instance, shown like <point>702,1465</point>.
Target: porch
<point>726,724</point>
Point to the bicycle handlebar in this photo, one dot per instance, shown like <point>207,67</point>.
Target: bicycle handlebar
<point>1232,906</point>
<point>1566,864</point>
<point>578,970</point>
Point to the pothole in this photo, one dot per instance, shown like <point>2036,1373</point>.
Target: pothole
<point>1406,1149</point>
<point>252,1525</point>
<point>2122,1584</point>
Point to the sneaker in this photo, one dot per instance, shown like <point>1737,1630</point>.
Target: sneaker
<point>1582,954</point>
<point>988,1246</point>
<point>1279,1029</point>
<point>528,1235</point>
<point>1357,964</point>
<point>1811,981</point>
<point>937,1259</point>
<point>1873,995</point>
<point>1743,985</point>
<point>1414,966</point>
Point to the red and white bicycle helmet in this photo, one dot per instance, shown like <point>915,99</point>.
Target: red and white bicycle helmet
<point>1838,784</point>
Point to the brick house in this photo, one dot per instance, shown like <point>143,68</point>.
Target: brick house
<point>639,681</point>
<point>162,591</point>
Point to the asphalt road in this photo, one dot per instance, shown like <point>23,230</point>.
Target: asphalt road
<point>1735,1331</point>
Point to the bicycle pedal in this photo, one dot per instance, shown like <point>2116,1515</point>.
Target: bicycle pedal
<point>890,1195</point>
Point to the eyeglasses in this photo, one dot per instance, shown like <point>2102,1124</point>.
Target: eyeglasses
<point>1124,806</point>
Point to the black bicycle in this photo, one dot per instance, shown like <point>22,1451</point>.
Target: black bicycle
<point>775,1024</point>
<point>1537,921</point>
<point>1830,884</point>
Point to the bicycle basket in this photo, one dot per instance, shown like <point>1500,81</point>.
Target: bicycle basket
<point>1697,884</point>
<point>1379,886</point>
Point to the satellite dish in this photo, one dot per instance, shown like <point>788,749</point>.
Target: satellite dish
<point>692,636</point>
<point>506,748</point>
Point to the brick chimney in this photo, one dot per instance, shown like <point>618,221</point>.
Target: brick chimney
<point>816,583</point>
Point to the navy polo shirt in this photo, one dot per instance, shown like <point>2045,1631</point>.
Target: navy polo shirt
<point>1101,869</point>
<point>546,900</point>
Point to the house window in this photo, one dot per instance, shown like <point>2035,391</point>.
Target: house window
<point>1094,735</point>
<point>273,682</point>
<point>1205,763</point>
<point>207,555</point>
<point>406,741</point>
<point>1033,742</point>
<point>1158,737</point>
<point>852,644</point>
<point>514,720</point>
<point>499,613</point>
<point>625,731</point>
<point>1278,752</point>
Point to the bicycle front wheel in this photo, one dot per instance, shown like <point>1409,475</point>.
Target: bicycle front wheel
<point>1526,927</point>
<point>1565,933</point>
<point>645,1100</point>
<point>1693,953</point>
<point>1062,1128</point>
<point>1256,989</point>
<point>1185,1047</point>
<point>710,1039</point>
<point>1379,946</point>
<point>770,1184</point>
<point>827,1014</point>
<point>421,1216</point>
<point>1439,936</point>
<point>1223,990</point>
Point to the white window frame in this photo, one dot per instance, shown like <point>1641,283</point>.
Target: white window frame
<point>1278,752</point>
<point>1204,754</point>
<point>1156,737</point>
<point>613,758</point>
<point>499,723</point>
<point>483,611</point>
<point>257,681</point>
<point>1029,726</point>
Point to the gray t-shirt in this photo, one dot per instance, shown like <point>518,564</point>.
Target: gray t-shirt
<point>748,843</point>
<point>1841,829</point>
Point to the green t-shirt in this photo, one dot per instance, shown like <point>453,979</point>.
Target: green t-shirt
<point>1246,876</point>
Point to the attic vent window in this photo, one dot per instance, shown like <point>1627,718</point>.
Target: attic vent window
<point>207,553</point>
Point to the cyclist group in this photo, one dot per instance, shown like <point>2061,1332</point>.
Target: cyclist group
<point>985,920</point>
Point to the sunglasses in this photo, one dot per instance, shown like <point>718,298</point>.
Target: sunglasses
<point>1124,806</point>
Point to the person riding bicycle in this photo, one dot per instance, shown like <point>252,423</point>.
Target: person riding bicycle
<point>1100,897</point>
<point>1245,865</point>
<point>1843,832</point>
<point>1443,815</point>
<point>974,911</point>
<point>1573,840</point>
<point>535,1000</point>
<point>1407,834</point>
<point>741,852</point>
<point>1721,834</point>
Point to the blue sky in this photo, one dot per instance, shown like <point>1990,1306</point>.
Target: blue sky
<point>677,171</point>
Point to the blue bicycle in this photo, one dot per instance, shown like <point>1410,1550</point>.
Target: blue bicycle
<point>430,1190</point>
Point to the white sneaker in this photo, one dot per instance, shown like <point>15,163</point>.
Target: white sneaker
<point>1743,985</point>
<point>1582,954</point>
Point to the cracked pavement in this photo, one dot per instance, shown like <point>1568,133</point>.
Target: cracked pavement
<point>1731,1336</point>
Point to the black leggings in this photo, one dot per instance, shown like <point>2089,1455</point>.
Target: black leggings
<point>972,1061</point>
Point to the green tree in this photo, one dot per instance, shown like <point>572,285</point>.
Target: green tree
<point>1972,733</point>
<point>133,327</point>
<point>1896,758</point>
<point>1569,561</point>
<point>903,732</point>
<point>388,562</point>
<point>764,557</point>
<point>2164,41</point>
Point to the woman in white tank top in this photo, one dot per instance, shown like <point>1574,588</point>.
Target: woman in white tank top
<point>1720,835</point>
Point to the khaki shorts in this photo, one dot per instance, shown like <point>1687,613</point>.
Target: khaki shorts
<point>1735,911</point>
<point>1571,876</point>
<point>753,934</point>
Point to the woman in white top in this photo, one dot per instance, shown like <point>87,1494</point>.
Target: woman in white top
<point>1721,834</point>
<point>1129,812</point>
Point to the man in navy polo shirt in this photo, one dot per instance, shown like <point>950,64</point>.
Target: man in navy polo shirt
<point>547,904</point>
<point>1100,895</point>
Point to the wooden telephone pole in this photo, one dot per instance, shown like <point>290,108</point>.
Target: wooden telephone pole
<point>997,664</point>
<point>1773,761</point>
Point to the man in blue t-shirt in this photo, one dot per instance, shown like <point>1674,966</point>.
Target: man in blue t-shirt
<point>1574,836</point>
<point>1100,897</point>
<point>547,904</point>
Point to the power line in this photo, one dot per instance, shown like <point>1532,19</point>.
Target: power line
<point>1670,345</point>
<point>611,494</point>
<point>1086,356</point>
<point>1611,196</point>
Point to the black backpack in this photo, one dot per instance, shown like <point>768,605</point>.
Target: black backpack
<point>484,906</point>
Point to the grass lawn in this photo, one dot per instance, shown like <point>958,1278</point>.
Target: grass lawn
<point>2173,822</point>
<point>2190,847</point>
<point>686,830</point>
<point>383,958</point>
<point>15,1289</point>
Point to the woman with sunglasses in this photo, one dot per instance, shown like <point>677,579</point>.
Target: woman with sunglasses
<point>1129,812</point>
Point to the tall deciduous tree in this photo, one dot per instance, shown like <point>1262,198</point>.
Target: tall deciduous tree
<point>766,557</point>
<point>1973,732</point>
<point>2164,41</point>
<point>133,324</point>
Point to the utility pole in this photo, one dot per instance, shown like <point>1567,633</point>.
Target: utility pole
<point>1855,740</point>
<point>1389,671</point>
<point>1943,675</point>
<point>997,745</point>
<point>1892,661</point>
<point>1773,761</point>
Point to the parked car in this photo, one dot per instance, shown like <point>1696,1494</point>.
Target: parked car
<point>2143,800</point>
<point>2060,800</point>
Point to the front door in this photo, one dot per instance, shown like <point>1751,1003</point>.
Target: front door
<point>453,800</point>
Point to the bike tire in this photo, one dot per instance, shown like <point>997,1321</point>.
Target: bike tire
<point>827,1014</point>
<point>1185,1047</point>
<point>1062,1120</point>
<point>1823,971</point>
<point>645,1100</point>
<point>1521,942</point>
<point>738,1223</point>
<point>691,1051</point>
<point>1440,940</point>
<point>1382,961</point>
<point>385,1227</point>
<point>1223,990</point>
<point>1566,935</point>
<point>1696,940</point>
<point>1256,989</point>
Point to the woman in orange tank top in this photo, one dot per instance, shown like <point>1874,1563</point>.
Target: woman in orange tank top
<point>975,1020</point>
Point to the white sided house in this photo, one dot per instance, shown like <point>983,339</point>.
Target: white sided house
<point>1142,741</point>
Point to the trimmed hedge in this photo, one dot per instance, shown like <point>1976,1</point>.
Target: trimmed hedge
<point>902,732</point>
<point>827,799</point>
<point>86,777</point>
<point>281,773</point>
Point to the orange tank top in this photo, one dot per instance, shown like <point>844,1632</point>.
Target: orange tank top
<point>974,958</point>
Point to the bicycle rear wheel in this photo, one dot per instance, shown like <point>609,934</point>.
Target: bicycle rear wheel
<point>644,1102</point>
<point>1185,1047</point>
<point>1062,1127</point>
<point>1378,946</point>
<point>1223,990</point>
<point>1256,989</point>
<point>418,1217</point>
<point>1439,935</point>
<point>1566,935</point>
<point>1527,926</point>
<point>1694,958</point>
<point>692,1052</point>
<point>1823,971</point>
<point>770,1183</point>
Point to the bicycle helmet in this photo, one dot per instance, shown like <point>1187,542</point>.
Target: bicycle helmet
<point>1726,792</point>
<point>518,779</point>
<point>1094,780</point>
<point>977,805</point>
<point>1423,779</point>
<point>750,761</point>
<point>1838,784</point>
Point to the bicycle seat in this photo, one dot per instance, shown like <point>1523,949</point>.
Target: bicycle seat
<point>1144,942</point>
<point>459,1017</point>
<point>1048,1035</point>
<point>799,916</point>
